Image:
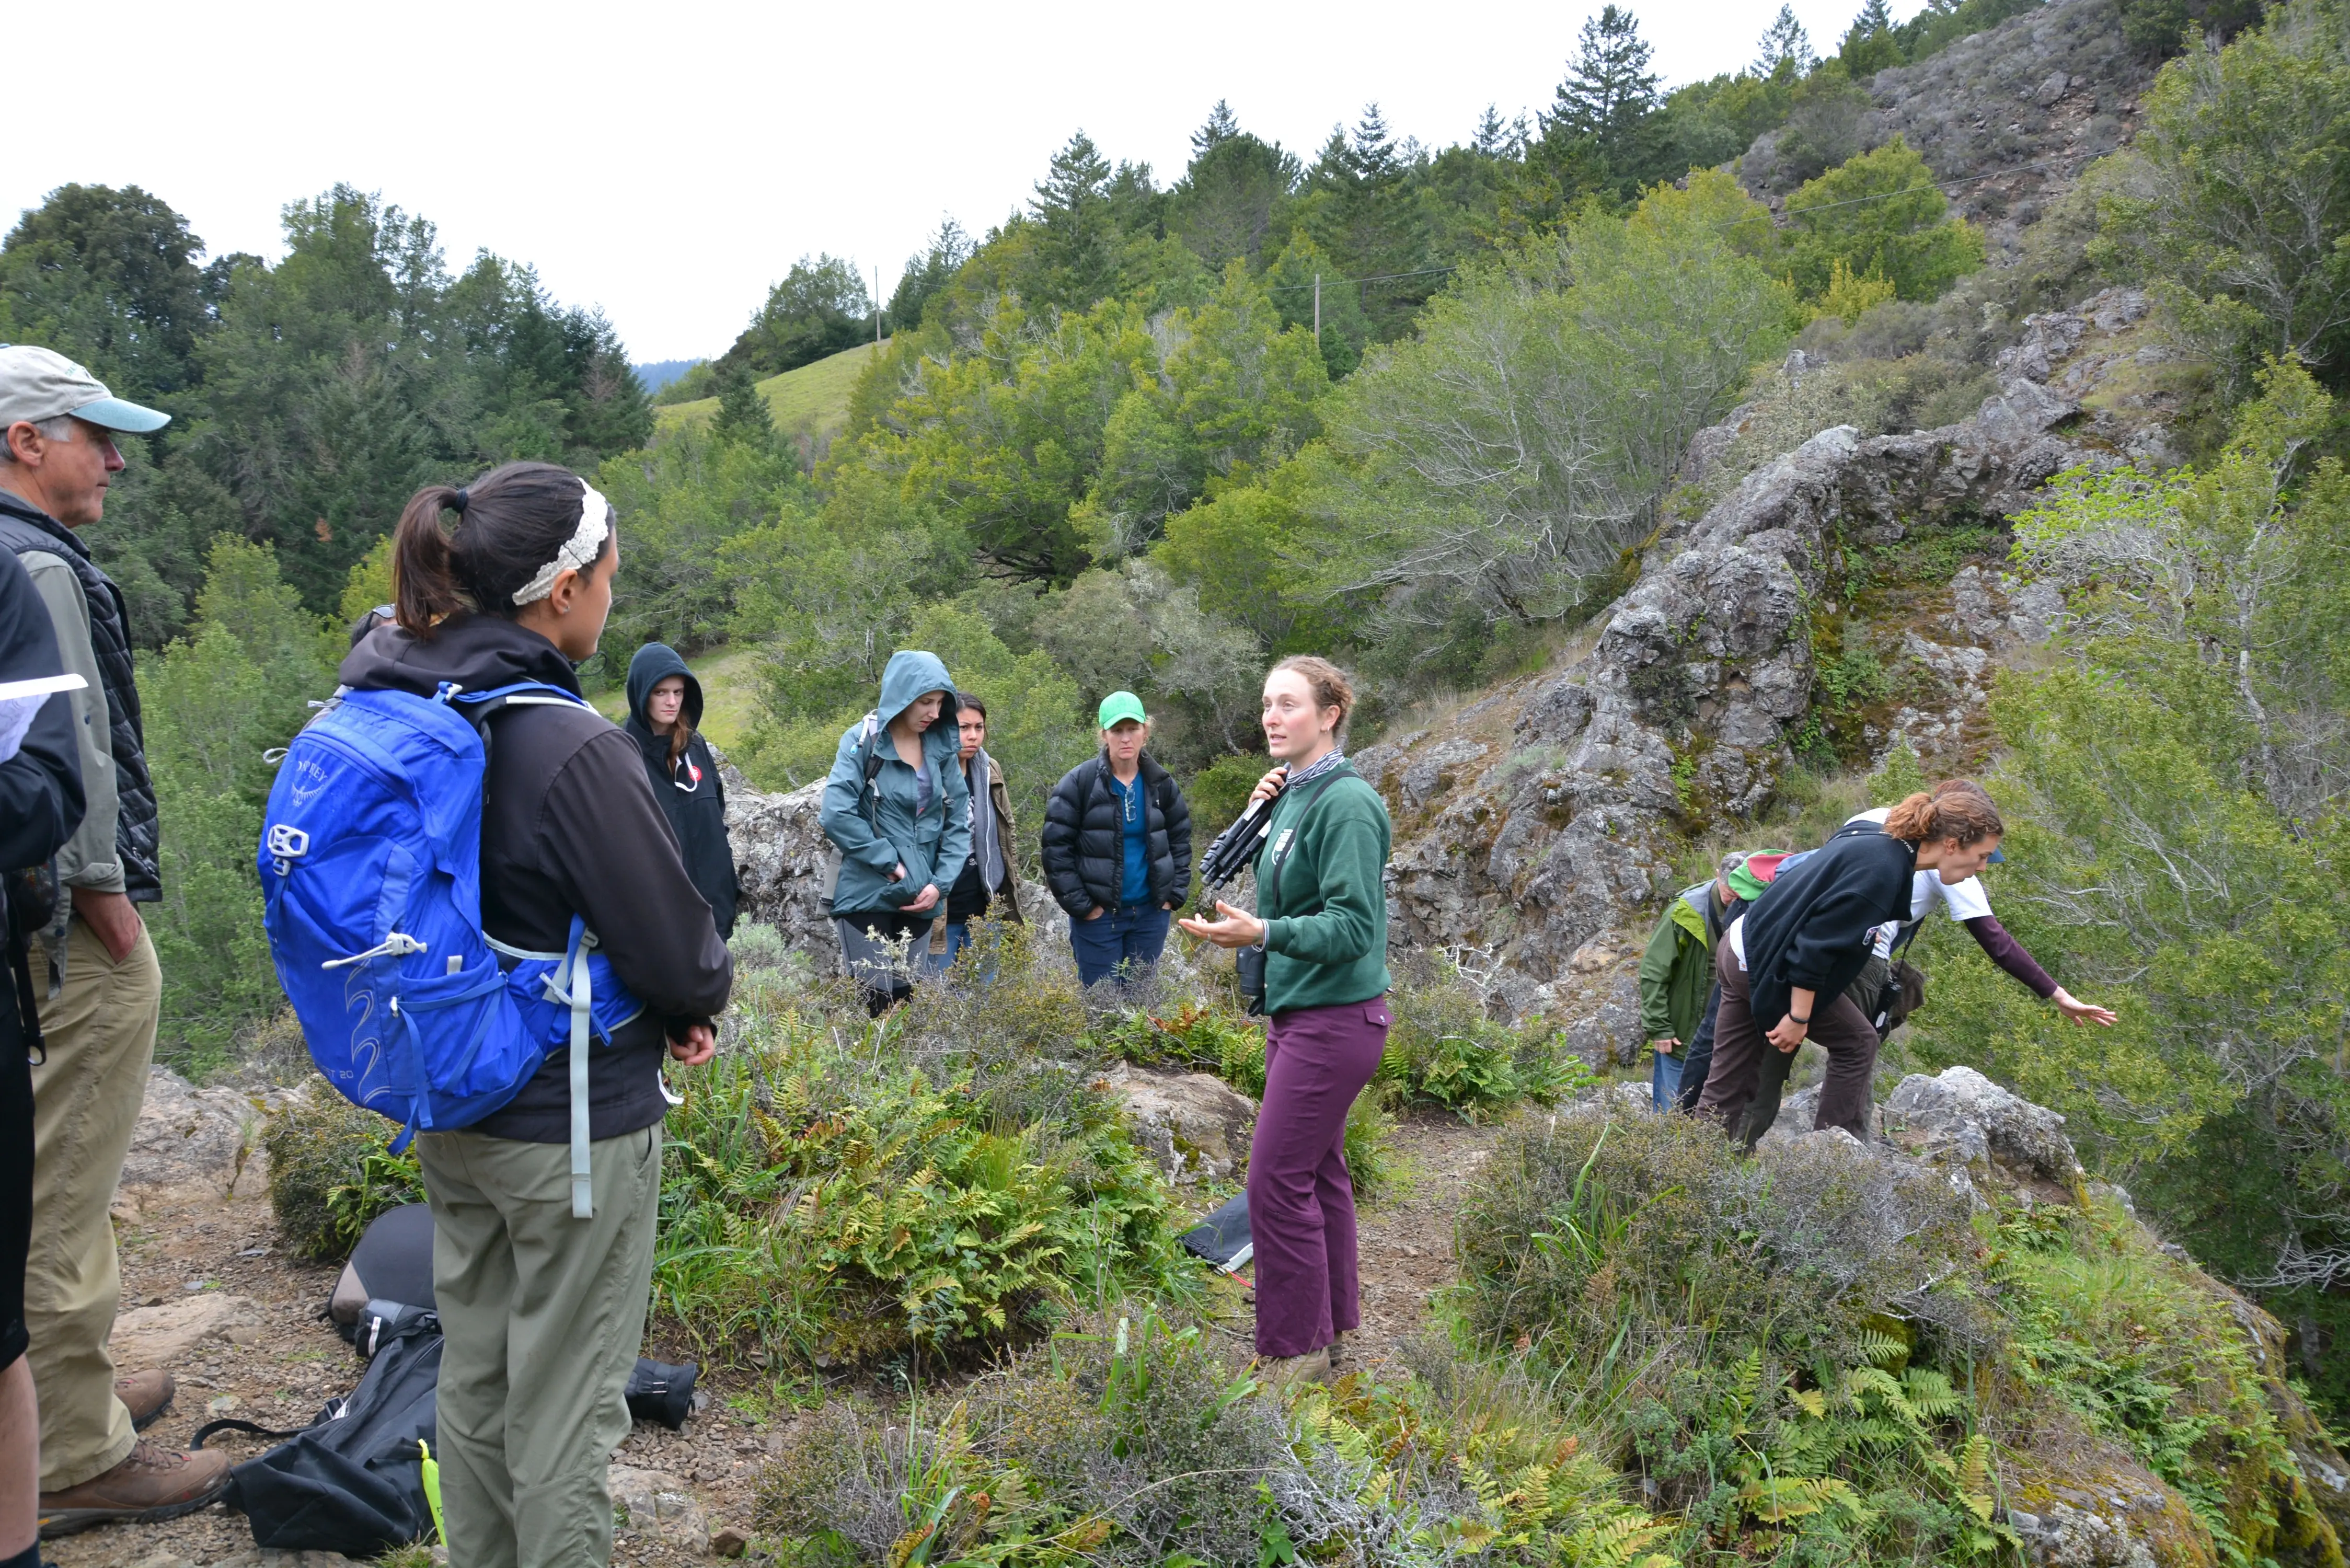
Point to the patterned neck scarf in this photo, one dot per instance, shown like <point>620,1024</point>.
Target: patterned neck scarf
<point>1333,761</point>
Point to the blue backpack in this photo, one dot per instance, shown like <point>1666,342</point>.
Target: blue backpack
<point>370,865</point>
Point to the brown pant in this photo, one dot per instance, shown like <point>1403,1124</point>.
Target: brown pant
<point>1743,1060</point>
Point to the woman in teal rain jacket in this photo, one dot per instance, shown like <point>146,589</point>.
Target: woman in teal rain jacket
<point>897,807</point>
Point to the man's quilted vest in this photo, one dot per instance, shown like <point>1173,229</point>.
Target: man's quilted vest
<point>27,530</point>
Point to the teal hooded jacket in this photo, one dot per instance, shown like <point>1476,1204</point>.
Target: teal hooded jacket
<point>877,833</point>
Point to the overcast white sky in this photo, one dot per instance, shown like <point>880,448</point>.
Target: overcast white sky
<point>669,161</point>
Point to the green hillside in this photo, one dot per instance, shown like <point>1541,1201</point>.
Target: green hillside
<point>814,396</point>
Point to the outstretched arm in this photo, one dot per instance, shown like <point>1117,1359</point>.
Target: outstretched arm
<point>2005,950</point>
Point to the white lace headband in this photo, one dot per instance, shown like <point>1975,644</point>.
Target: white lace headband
<point>579,551</point>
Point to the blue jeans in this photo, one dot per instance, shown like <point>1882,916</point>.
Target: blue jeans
<point>1665,1080</point>
<point>1132,938</point>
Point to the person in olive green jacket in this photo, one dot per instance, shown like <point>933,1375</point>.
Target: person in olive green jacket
<point>1322,920</point>
<point>1676,975</point>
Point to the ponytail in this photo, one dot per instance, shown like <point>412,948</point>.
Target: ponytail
<point>424,590</point>
<point>511,523</point>
<point>1955,809</point>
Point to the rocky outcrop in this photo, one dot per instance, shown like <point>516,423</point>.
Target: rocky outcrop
<point>1540,821</point>
<point>780,858</point>
<point>2010,116</point>
<point>187,1140</point>
<point>2075,1498</point>
<point>1194,1126</point>
<point>1964,1118</point>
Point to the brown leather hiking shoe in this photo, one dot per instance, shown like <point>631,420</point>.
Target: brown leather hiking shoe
<point>153,1483</point>
<point>1283,1371</point>
<point>146,1395</point>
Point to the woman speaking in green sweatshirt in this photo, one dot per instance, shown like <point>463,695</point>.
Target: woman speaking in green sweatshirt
<point>1321,919</point>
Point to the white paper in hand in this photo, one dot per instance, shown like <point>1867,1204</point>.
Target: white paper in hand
<point>21,700</point>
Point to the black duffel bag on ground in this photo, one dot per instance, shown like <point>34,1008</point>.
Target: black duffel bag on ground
<point>359,1480</point>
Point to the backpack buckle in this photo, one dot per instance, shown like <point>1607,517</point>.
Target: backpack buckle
<point>285,845</point>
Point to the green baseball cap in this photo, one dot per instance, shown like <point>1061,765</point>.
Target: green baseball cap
<point>1121,705</point>
<point>38,384</point>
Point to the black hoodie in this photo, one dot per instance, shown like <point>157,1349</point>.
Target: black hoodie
<point>690,793</point>
<point>1816,925</point>
<point>569,824</point>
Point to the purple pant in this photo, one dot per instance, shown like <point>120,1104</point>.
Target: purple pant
<point>1301,1199</point>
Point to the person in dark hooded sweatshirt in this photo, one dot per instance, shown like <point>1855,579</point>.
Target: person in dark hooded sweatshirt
<point>543,1312</point>
<point>897,807</point>
<point>665,720</point>
<point>1785,964</point>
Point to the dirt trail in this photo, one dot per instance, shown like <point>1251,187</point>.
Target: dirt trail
<point>271,1357</point>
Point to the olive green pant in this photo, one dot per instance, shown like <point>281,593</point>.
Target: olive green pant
<point>100,1030</point>
<point>543,1314</point>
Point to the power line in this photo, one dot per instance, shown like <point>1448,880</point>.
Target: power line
<point>1822,207</point>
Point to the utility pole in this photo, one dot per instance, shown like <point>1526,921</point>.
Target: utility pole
<point>1317,310</point>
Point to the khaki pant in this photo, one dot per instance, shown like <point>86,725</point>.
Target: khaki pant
<point>544,1314</point>
<point>100,1030</point>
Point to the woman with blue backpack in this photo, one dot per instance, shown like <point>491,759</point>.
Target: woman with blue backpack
<point>898,812</point>
<point>542,1269</point>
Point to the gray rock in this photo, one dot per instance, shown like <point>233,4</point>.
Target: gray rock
<point>2052,89</point>
<point>1963,1117</point>
<point>780,857</point>
<point>660,1506</point>
<point>1194,1124</point>
<point>166,1337</point>
<point>189,1139</point>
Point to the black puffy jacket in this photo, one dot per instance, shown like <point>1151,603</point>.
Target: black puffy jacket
<point>1085,838</point>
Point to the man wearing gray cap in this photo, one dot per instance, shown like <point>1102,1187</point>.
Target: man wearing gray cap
<point>102,990</point>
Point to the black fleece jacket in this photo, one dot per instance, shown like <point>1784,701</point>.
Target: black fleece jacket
<point>1814,926</point>
<point>687,789</point>
<point>569,823</point>
<point>1085,838</point>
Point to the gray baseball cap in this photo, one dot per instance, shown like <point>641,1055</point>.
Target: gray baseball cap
<point>38,384</point>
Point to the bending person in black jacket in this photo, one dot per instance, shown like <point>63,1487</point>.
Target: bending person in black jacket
<point>1790,956</point>
<point>543,1312</point>
<point>665,720</point>
<point>1117,847</point>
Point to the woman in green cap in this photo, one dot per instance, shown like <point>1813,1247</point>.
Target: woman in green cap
<point>1117,847</point>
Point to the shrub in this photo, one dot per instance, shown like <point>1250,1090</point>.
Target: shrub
<point>1139,1444</point>
<point>331,1172</point>
<point>1446,1049</point>
<point>824,1199</point>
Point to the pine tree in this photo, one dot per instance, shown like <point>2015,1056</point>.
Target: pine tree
<point>1221,127</point>
<point>1493,137</point>
<point>1371,156</point>
<point>1077,252</point>
<point>1609,89</point>
<point>743,411</point>
<point>1786,42</point>
<point>1876,17</point>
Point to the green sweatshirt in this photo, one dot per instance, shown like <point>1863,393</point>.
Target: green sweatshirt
<point>1677,971</point>
<point>1325,934</point>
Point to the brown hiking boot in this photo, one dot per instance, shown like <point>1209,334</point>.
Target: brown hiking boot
<point>153,1483</point>
<point>1342,1349</point>
<point>146,1395</point>
<point>1284,1372</point>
